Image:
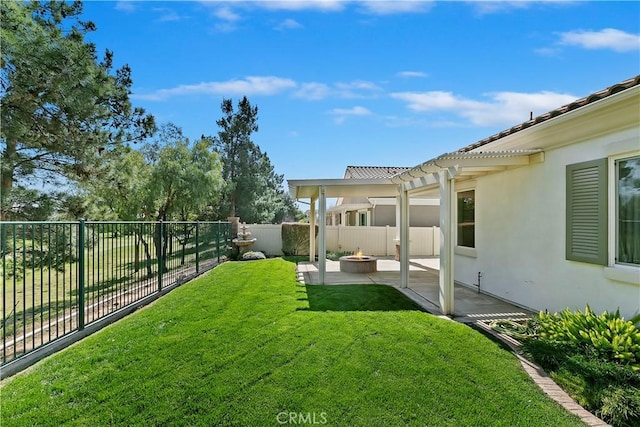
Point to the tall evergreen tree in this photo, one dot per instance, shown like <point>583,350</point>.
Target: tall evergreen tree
<point>62,108</point>
<point>253,191</point>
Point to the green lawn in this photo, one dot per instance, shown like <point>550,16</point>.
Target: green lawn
<point>247,345</point>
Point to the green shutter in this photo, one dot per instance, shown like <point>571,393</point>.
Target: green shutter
<point>587,212</point>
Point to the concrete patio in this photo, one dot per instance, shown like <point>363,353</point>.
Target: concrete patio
<point>470,305</point>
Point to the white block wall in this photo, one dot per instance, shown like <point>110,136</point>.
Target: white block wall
<point>378,241</point>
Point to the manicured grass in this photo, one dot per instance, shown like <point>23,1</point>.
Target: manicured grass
<point>246,342</point>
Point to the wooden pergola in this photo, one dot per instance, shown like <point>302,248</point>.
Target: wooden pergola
<point>437,177</point>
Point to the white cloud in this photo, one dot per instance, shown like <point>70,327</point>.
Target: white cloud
<point>252,85</point>
<point>226,14</point>
<point>356,89</point>
<point>341,114</point>
<point>322,5</point>
<point>288,24</point>
<point>358,85</point>
<point>313,91</point>
<point>168,14</point>
<point>410,74</point>
<point>428,101</point>
<point>386,7</point>
<point>228,19</point>
<point>608,38</point>
<point>126,6</point>
<point>486,7</point>
<point>503,108</point>
<point>371,7</point>
<point>354,111</point>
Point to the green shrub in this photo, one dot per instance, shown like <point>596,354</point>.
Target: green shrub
<point>295,238</point>
<point>549,354</point>
<point>601,372</point>
<point>608,333</point>
<point>594,358</point>
<point>253,255</point>
<point>335,256</point>
<point>621,406</point>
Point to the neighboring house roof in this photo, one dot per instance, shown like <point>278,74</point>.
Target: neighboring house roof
<point>369,172</point>
<point>365,172</point>
<point>373,172</point>
<point>596,96</point>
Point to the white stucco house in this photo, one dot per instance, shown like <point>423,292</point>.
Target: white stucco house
<point>545,215</point>
<point>365,211</point>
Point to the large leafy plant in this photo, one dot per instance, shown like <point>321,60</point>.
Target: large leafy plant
<point>608,334</point>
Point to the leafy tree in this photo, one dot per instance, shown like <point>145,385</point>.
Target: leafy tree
<point>184,180</point>
<point>168,179</point>
<point>61,107</point>
<point>120,189</point>
<point>253,190</point>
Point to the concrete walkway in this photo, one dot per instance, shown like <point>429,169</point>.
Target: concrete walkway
<point>469,305</point>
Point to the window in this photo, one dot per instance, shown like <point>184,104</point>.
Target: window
<point>628,211</point>
<point>362,219</point>
<point>466,218</point>
<point>587,212</point>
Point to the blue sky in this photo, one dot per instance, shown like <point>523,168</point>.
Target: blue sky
<point>379,83</point>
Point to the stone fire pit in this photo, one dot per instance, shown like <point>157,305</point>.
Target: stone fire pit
<point>358,264</point>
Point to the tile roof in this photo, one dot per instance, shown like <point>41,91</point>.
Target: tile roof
<point>596,96</point>
<point>373,172</point>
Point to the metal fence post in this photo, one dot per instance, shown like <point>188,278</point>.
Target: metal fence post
<point>197,248</point>
<point>159,255</point>
<point>218,240</point>
<point>81,301</point>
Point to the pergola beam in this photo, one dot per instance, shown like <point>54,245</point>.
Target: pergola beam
<point>322,234</point>
<point>423,181</point>
<point>446,295</point>
<point>404,236</point>
<point>312,230</point>
<point>490,160</point>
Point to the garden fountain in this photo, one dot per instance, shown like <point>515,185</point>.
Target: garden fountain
<point>242,241</point>
<point>358,263</point>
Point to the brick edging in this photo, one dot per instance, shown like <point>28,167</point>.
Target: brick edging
<point>544,381</point>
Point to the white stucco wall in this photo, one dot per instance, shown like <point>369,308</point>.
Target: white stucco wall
<point>520,236</point>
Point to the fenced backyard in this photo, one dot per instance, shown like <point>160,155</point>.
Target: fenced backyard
<point>60,277</point>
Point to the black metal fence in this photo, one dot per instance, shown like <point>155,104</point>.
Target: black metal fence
<point>58,277</point>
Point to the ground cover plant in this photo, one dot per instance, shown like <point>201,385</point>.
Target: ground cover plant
<point>595,358</point>
<point>246,344</point>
